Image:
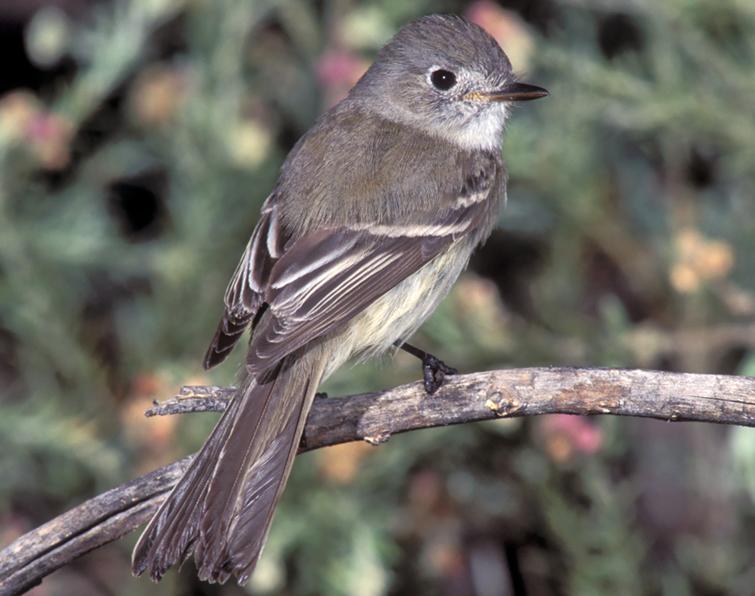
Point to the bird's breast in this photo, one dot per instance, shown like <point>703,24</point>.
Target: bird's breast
<point>398,313</point>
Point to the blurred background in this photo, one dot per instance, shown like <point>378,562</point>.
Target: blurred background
<point>138,139</point>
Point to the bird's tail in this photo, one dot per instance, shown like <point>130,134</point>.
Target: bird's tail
<point>222,507</point>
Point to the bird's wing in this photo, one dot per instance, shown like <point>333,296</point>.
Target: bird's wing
<point>245,292</point>
<point>329,276</point>
<point>312,284</point>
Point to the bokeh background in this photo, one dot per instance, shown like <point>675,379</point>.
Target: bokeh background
<point>138,139</point>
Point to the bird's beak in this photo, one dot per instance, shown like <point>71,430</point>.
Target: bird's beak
<point>511,92</point>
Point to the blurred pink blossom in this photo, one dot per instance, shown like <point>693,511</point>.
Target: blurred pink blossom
<point>44,127</point>
<point>50,136</point>
<point>24,120</point>
<point>337,71</point>
<point>508,29</point>
<point>565,436</point>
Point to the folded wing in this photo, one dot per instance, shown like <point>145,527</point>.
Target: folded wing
<point>329,276</point>
<point>244,295</point>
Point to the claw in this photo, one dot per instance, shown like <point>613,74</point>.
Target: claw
<point>434,372</point>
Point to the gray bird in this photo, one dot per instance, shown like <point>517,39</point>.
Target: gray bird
<point>376,212</point>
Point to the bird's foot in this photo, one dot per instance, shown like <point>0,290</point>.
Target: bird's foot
<point>434,373</point>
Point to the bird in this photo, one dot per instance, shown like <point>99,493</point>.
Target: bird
<point>374,216</point>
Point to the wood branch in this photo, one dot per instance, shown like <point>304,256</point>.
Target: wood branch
<point>374,417</point>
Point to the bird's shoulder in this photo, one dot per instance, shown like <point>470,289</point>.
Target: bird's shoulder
<point>355,166</point>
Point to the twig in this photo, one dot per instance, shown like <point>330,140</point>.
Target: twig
<point>374,417</point>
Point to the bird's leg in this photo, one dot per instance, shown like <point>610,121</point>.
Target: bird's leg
<point>321,395</point>
<point>434,370</point>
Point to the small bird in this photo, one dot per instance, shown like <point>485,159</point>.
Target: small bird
<point>375,214</point>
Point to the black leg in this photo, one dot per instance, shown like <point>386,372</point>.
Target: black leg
<point>434,370</point>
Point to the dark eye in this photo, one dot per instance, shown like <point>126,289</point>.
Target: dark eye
<point>443,79</point>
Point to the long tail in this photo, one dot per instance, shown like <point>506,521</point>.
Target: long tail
<point>222,507</point>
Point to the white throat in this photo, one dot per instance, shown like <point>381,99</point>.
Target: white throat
<point>482,131</point>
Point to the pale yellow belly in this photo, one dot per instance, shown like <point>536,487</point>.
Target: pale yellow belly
<point>398,313</point>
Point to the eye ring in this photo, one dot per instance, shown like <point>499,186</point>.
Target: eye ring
<point>442,79</point>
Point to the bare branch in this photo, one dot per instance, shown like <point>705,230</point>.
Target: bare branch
<point>374,417</point>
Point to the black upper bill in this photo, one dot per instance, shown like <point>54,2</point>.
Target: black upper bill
<point>517,92</point>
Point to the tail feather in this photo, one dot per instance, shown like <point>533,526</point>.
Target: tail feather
<point>169,536</point>
<point>223,506</point>
<point>238,549</point>
<point>236,455</point>
<point>264,486</point>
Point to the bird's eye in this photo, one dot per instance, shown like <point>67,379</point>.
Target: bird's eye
<point>443,79</point>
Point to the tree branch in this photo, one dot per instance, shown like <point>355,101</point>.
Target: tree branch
<point>374,417</point>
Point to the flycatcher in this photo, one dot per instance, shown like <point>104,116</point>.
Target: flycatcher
<point>375,214</point>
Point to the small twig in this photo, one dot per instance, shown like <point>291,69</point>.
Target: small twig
<point>374,417</point>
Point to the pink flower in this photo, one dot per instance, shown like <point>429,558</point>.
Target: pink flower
<point>565,436</point>
<point>25,121</point>
<point>337,71</point>
<point>49,135</point>
<point>508,29</point>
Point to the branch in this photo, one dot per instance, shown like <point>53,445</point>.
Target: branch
<point>374,417</point>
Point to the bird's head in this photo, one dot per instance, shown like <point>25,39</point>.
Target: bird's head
<point>448,77</point>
